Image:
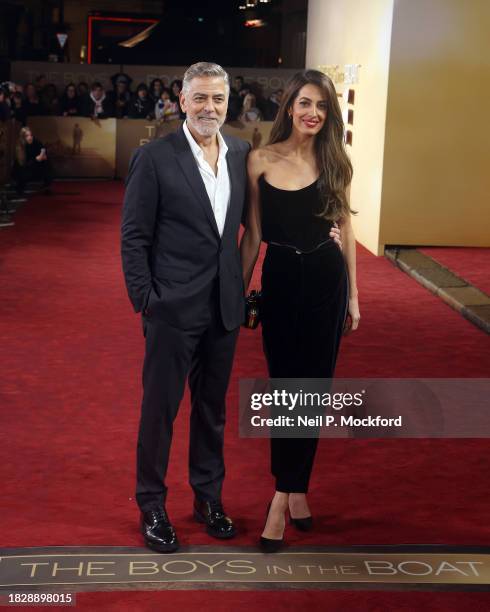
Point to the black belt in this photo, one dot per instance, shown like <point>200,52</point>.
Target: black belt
<point>299,251</point>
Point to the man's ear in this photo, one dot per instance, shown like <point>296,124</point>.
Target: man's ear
<point>182,101</point>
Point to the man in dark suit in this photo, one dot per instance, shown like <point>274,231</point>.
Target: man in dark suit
<point>182,209</point>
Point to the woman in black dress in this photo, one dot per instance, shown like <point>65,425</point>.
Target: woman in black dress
<point>298,190</point>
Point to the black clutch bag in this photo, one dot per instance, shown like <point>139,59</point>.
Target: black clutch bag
<point>252,309</point>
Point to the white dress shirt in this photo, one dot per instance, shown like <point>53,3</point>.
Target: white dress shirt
<point>218,186</point>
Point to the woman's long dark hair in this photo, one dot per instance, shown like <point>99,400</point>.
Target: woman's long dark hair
<point>65,93</point>
<point>20,147</point>
<point>332,160</point>
<point>152,88</point>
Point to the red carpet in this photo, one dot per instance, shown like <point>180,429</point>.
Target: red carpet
<point>472,264</point>
<point>71,352</point>
<point>242,601</point>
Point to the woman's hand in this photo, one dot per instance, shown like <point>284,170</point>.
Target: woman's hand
<point>353,316</point>
<point>335,234</point>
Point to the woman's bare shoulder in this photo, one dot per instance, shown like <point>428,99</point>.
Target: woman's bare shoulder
<point>256,161</point>
<point>265,155</point>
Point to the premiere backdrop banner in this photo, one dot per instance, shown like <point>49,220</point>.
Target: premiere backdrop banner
<point>132,133</point>
<point>82,147</point>
<point>78,146</point>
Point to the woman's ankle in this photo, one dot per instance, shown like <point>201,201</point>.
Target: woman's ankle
<point>280,500</point>
<point>298,503</point>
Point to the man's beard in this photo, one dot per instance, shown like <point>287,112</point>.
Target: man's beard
<point>205,128</point>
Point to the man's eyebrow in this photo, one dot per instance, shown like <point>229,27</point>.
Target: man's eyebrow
<point>205,95</point>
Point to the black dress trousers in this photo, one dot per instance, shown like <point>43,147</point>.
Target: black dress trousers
<point>204,354</point>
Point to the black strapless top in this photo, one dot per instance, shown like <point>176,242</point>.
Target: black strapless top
<point>291,217</point>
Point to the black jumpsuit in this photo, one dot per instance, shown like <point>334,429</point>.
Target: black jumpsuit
<point>304,305</point>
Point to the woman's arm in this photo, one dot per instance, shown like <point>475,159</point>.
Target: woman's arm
<point>252,236</point>
<point>349,247</point>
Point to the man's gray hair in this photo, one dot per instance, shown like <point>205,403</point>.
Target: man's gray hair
<point>205,69</point>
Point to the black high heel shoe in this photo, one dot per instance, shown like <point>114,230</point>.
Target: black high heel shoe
<point>303,524</point>
<point>269,545</point>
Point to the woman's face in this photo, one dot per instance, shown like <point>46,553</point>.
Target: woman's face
<point>71,92</point>
<point>165,96</point>
<point>30,91</point>
<point>157,87</point>
<point>175,89</point>
<point>309,110</point>
<point>29,137</point>
<point>248,101</point>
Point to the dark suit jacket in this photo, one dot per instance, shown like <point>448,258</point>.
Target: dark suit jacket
<point>171,248</point>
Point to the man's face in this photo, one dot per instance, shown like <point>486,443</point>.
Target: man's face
<point>98,93</point>
<point>205,104</point>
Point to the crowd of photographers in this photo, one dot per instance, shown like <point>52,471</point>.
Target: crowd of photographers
<point>153,102</point>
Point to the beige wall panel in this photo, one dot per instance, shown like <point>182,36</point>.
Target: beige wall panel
<point>436,185</point>
<point>358,32</point>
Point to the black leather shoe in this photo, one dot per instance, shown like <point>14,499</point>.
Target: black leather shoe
<point>158,531</point>
<point>269,545</point>
<point>218,525</point>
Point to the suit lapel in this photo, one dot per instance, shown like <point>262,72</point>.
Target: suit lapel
<point>191,172</point>
<point>234,185</point>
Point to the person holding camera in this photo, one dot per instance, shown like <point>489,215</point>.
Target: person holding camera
<point>165,109</point>
<point>31,162</point>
